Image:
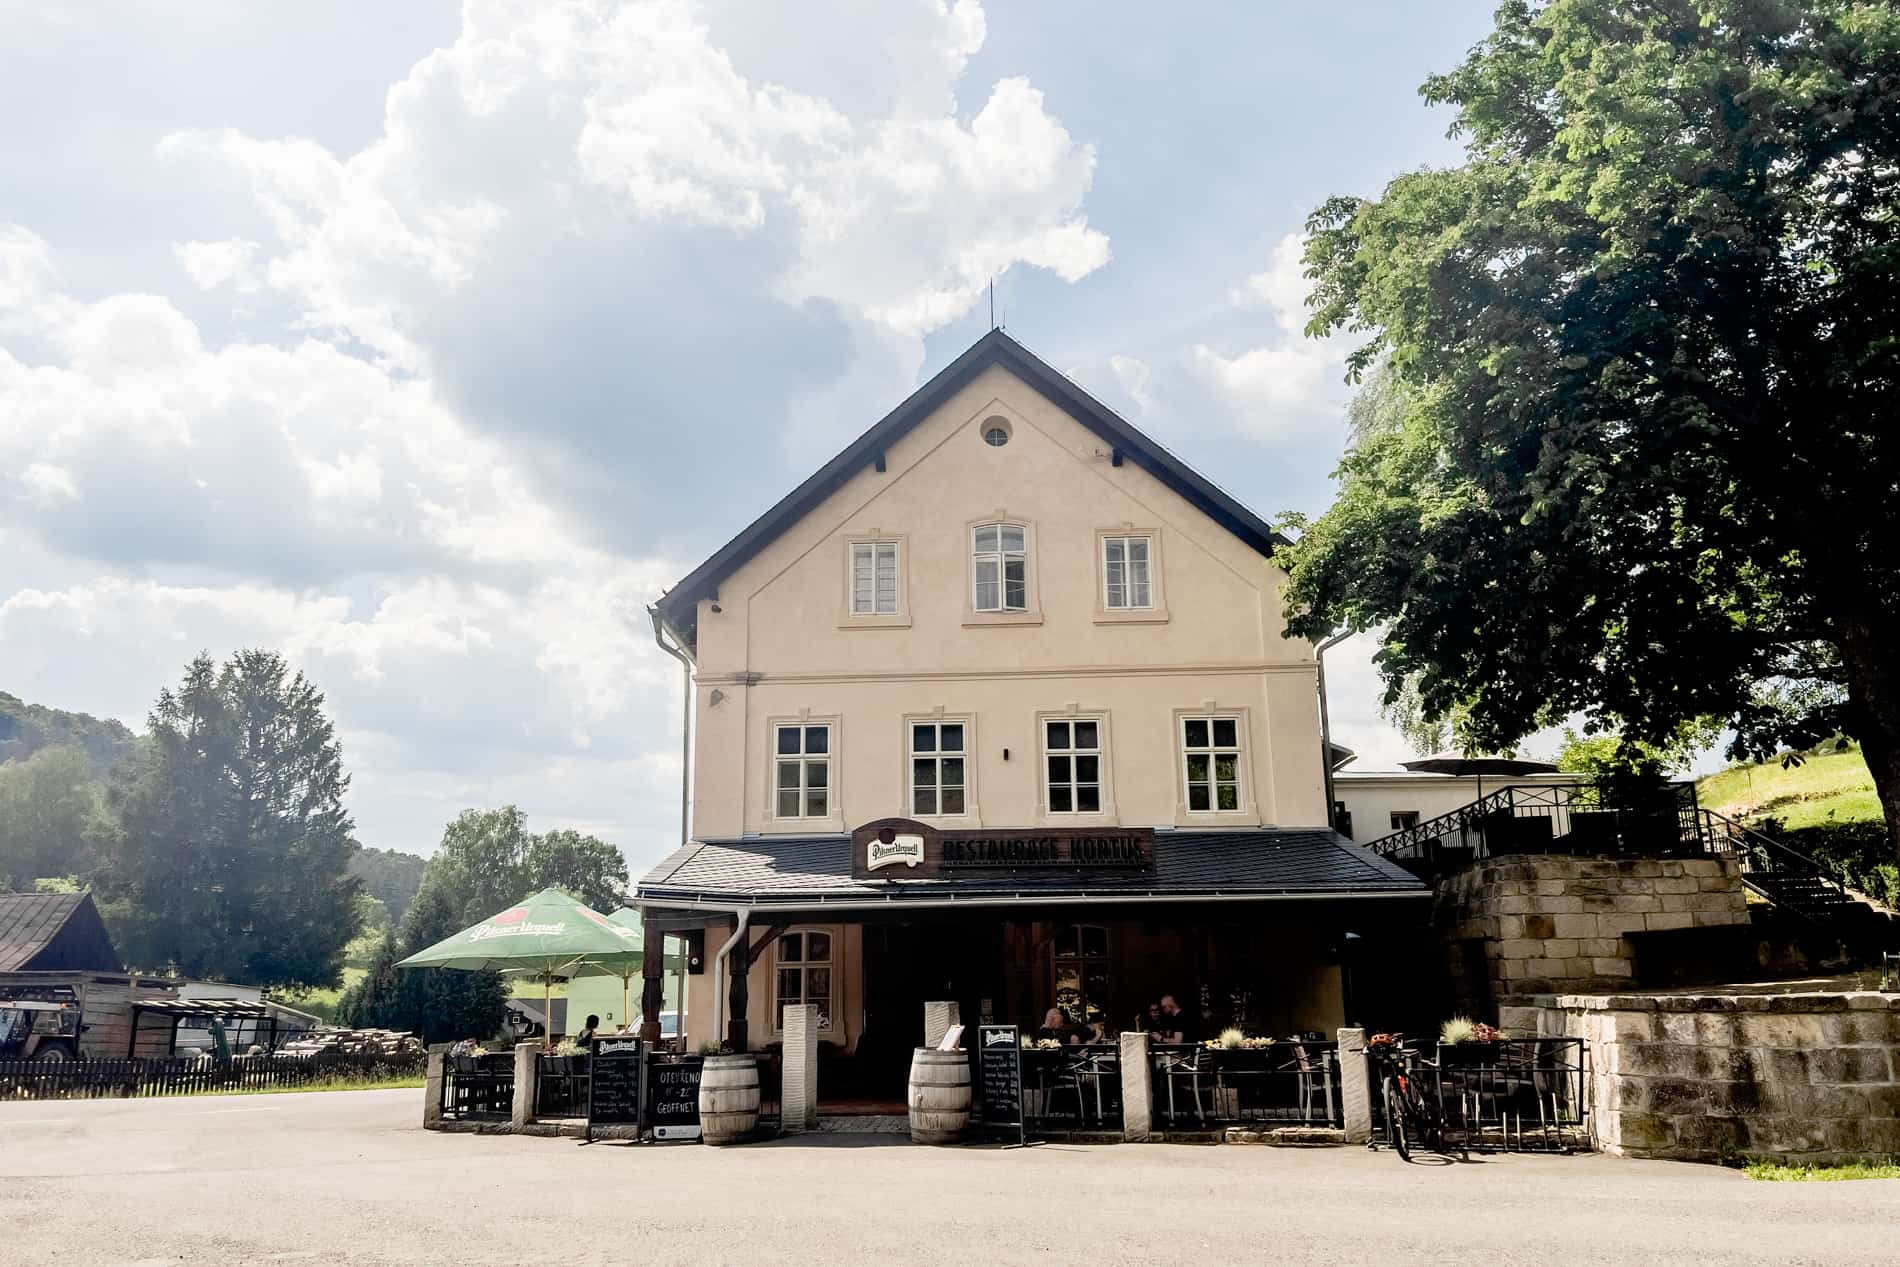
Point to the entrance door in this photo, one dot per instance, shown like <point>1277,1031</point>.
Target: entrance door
<point>907,966</point>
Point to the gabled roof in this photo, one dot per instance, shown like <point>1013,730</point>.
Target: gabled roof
<point>48,932</point>
<point>1266,863</point>
<point>678,606</point>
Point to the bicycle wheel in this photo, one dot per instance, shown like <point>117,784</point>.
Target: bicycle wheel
<point>1395,1114</point>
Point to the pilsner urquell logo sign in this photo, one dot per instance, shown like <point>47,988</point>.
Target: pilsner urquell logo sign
<point>515,923</point>
<point>889,847</point>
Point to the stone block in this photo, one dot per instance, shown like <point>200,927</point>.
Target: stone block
<point>1779,1030</point>
<point>1784,1066</point>
<point>1662,921</point>
<point>1673,903</point>
<point>1514,905</point>
<point>1672,870</point>
<point>1355,1097</point>
<point>1850,1064</point>
<point>1575,926</point>
<point>1540,926</point>
<point>1718,919</point>
<point>1714,1029</point>
<point>1644,1132</point>
<point>1636,904</point>
<point>1617,925</point>
<point>1603,946</point>
<point>1596,903</point>
<point>1138,1089</point>
<point>1521,948</point>
<point>1714,883</point>
<point>1549,968</point>
<point>1560,948</point>
<point>1680,884</point>
<point>1510,928</point>
<point>1567,905</point>
<point>1644,868</point>
<point>1708,902</point>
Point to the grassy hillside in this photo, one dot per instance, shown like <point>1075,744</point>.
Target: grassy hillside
<point>26,728</point>
<point>1834,786</point>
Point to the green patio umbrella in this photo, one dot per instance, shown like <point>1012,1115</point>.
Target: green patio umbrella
<point>549,935</point>
<point>626,965</point>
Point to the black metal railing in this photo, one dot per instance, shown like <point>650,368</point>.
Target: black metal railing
<point>560,1086</point>
<point>1519,1095</point>
<point>1293,1083</point>
<point>1583,818</point>
<point>478,1087</point>
<point>1778,872</point>
<point>1515,1095</point>
<point>1072,1089</point>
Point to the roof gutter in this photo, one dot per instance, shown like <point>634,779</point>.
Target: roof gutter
<point>727,905</point>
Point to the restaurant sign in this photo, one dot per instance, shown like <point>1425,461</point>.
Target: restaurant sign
<point>925,851</point>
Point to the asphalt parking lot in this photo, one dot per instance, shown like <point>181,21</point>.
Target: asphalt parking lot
<point>349,1177</point>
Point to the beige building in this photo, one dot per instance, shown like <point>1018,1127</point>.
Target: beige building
<point>998,707</point>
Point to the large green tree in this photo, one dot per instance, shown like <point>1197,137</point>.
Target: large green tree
<point>1648,468</point>
<point>52,817</point>
<point>234,843</point>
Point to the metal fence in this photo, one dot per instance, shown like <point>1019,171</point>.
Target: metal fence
<point>187,1075</point>
<point>1587,818</point>
<point>1515,1095</point>
<point>479,1087</point>
<point>1075,1088</point>
<point>1286,1084</point>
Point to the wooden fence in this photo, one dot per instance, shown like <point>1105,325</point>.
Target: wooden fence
<point>184,1075</point>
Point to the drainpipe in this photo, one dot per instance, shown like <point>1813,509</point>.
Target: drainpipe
<point>1325,719</point>
<point>686,721</point>
<point>719,974</point>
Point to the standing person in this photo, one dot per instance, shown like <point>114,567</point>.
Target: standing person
<point>585,1039</point>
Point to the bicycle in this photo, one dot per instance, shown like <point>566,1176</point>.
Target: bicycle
<point>1412,1112</point>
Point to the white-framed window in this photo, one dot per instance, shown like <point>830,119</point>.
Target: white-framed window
<point>804,974</point>
<point>1072,765</point>
<point>1210,759</point>
<point>999,570</point>
<point>1127,572</point>
<point>874,578</point>
<point>801,770</point>
<point>1081,962</point>
<point>939,767</point>
<point>1404,818</point>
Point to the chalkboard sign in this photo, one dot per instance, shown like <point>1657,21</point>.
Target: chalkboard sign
<point>613,1084</point>
<point>674,1112</point>
<point>1000,1071</point>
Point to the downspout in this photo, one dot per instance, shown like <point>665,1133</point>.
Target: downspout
<point>686,721</point>
<point>1325,721</point>
<point>686,767</point>
<point>719,975</point>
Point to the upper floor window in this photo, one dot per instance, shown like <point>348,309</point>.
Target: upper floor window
<point>938,769</point>
<point>801,780</point>
<point>1127,579</point>
<point>873,578</point>
<point>1072,757</point>
<point>1210,753</point>
<point>1001,568</point>
<point>1404,818</point>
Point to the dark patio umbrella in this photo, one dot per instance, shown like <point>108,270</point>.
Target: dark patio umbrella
<point>1458,763</point>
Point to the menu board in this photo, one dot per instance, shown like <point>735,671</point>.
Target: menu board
<point>674,1112</point>
<point>1000,1073</point>
<point>613,1084</point>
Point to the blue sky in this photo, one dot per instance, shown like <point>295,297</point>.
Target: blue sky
<point>428,343</point>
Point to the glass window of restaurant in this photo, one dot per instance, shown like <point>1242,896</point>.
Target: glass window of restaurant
<point>1081,973</point>
<point>804,975</point>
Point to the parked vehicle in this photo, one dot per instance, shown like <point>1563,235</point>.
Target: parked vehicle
<point>40,1028</point>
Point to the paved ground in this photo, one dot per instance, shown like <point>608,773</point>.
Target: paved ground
<point>349,1177</point>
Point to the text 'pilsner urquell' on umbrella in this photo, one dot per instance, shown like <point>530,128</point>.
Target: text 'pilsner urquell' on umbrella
<point>550,935</point>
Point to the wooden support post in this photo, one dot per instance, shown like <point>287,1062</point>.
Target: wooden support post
<point>652,984</point>
<point>738,961</point>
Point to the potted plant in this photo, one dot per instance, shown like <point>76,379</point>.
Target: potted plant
<point>1464,1041</point>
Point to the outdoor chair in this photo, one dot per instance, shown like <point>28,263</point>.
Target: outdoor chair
<point>1191,1065</point>
<point>1315,1082</point>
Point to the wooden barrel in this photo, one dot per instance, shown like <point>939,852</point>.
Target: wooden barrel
<point>728,1099</point>
<point>939,1095</point>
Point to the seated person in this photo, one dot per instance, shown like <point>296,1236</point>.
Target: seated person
<point>1054,1025</point>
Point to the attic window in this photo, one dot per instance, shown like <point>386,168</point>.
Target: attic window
<point>995,432</point>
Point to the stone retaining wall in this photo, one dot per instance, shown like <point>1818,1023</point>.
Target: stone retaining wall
<point>1557,922</point>
<point>1811,1076</point>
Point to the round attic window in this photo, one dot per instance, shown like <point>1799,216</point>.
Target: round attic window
<point>995,432</point>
